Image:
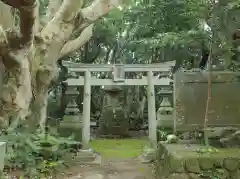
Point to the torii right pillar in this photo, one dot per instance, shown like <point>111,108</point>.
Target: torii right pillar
<point>152,122</point>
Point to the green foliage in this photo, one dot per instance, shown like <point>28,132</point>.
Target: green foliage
<point>38,154</point>
<point>165,30</point>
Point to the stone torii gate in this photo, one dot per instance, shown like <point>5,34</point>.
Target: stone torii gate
<point>118,71</point>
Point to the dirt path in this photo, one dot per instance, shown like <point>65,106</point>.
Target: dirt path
<point>125,169</point>
<point>119,161</point>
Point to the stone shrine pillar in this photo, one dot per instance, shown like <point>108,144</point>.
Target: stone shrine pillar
<point>86,133</point>
<point>152,120</point>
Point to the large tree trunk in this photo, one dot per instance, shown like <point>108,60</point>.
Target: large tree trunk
<point>28,57</point>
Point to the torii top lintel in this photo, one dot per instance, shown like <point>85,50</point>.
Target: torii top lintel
<point>157,67</point>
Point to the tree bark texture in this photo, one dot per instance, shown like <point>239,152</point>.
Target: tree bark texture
<point>28,56</point>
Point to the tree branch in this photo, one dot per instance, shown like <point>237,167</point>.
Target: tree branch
<point>6,17</point>
<point>99,8</point>
<point>78,42</point>
<point>89,14</point>
<point>96,10</point>
<point>53,7</point>
<point>60,28</point>
<point>66,13</point>
<point>28,12</point>
<point>13,3</point>
<point>3,41</point>
<point>36,26</point>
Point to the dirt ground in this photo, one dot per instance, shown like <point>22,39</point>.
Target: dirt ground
<point>119,161</point>
<point>115,169</point>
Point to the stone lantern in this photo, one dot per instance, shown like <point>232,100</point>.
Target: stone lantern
<point>71,125</point>
<point>165,114</point>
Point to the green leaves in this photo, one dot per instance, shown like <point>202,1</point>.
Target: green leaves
<point>154,24</point>
<point>178,26</point>
<point>39,154</point>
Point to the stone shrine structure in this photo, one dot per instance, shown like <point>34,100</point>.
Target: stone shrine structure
<point>118,71</point>
<point>114,119</point>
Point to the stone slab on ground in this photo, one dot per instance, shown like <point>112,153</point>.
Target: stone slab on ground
<point>83,158</point>
<point>148,155</point>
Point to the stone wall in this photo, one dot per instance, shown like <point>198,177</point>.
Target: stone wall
<point>180,161</point>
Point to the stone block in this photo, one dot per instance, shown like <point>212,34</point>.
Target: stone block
<point>192,165</point>
<point>221,173</point>
<point>71,127</point>
<point>231,164</point>
<point>235,174</point>
<point>160,150</point>
<point>178,176</point>
<point>158,168</point>
<point>176,164</point>
<point>217,162</point>
<point>148,155</point>
<point>193,176</point>
<point>206,163</point>
<point>182,159</point>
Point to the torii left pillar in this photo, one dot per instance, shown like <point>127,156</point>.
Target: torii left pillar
<point>86,110</point>
<point>152,120</point>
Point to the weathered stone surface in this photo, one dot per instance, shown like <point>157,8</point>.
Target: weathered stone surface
<point>160,150</point>
<point>186,106</point>
<point>94,176</point>
<point>192,165</point>
<point>222,174</point>
<point>113,121</point>
<point>193,176</point>
<point>71,126</point>
<point>178,176</point>
<point>77,177</point>
<point>235,175</point>
<point>176,164</point>
<point>217,162</point>
<point>231,164</point>
<point>207,174</point>
<point>158,168</point>
<point>206,163</point>
<point>232,140</point>
<point>180,158</point>
<point>148,155</point>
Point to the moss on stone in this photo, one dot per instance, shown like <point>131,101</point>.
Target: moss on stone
<point>192,165</point>
<point>231,164</point>
<point>221,164</point>
<point>235,174</point>
<point>206,163</point>
<point>221,173</point>
<point>193,176</point>
<point>178,176</point>
<point>176,164</point>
